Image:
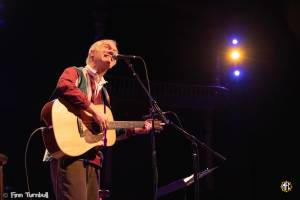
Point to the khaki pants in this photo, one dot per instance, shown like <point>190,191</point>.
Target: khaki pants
<point>74,180</point>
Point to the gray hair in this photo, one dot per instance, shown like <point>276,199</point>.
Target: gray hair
<point>95,46</point>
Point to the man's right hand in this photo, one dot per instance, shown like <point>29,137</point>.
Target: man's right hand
<point>98,115</point>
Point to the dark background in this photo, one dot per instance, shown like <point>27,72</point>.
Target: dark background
<point>256,128</point>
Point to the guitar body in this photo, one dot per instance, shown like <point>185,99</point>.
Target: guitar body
<point>68,135</point>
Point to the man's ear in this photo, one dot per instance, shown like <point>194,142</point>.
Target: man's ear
<point>92,54</point>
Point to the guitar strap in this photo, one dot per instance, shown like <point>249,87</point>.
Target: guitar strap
<point>105,97</point>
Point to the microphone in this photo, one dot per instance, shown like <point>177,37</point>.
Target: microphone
<point>117,56</point>
<point>155,115</point>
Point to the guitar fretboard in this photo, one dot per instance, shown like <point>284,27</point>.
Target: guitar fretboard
<point>125,124</point>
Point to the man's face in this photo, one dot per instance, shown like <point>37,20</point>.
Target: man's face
<point>104,54</point>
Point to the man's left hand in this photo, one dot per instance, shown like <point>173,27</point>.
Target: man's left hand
<point>148,126</point>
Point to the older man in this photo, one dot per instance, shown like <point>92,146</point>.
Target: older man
<point>78,177</point>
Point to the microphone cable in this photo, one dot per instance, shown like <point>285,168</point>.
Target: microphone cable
<point>153,145</point>
<point>146,74</point>
<point>25,156</point>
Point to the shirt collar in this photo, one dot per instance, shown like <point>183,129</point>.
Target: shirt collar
<point>93,73</point>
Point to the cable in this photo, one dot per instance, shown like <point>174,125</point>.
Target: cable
<point>176,116</point>
<point>153,145</point>
<point>146,73</point>
<point>196,165</point>
<point>25,156</point>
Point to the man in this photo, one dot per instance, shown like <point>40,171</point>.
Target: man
<point>77,177</point>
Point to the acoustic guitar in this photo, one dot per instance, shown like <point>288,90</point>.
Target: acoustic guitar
<point>73,133</point>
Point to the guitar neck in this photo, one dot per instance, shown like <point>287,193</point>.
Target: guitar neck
<point>125,124</point>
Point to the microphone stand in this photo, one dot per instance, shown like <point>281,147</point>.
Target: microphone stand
<point>196,169</point>
<point>152,133</point>
<point>155,110</point>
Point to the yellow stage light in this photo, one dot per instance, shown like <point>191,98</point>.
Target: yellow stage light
<point>235,55</point>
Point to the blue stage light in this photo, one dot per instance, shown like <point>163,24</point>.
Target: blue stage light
<point>236,73</point>
<point>235,41</point>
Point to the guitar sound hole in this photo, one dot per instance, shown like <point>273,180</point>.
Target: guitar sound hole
<point>95,128</point>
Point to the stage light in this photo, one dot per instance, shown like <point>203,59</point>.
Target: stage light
<point>236,73</point>
<point>235,55</point>
<point>230,62</point>
<point>235,41</point>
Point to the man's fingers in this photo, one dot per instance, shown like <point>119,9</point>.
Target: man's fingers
<point>104,123</point>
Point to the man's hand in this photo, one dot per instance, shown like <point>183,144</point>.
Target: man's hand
<point>98,115</point>
<point>148,126</point>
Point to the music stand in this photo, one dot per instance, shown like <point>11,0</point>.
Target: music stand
<point>182,183</point>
